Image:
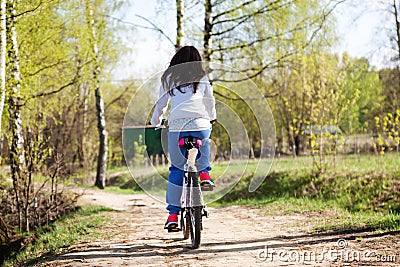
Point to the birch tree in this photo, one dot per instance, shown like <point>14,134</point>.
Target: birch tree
<point>17,154</point>
<point>3,51</point>
<point>100,116</point>
<point>4,238</point>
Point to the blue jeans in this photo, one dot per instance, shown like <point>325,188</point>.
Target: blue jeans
<point>178,161</point>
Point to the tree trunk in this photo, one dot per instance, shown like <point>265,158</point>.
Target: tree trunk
<point>3,51</point>
<point>179,24</point>
<point>396,14</point>
<point>298,144</point>
<point>100,116</point>
<point>208,25</point>
<point>84,92</point>
<point>103,148</point>
<point>17,154</point>
<point>397,28</point>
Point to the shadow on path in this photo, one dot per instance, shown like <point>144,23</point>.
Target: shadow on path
<point>178,246</point>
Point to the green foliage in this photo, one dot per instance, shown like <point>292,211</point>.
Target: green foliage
<point>55,99</point>
<point>50,240</point>
<point>364,86</point>
<point>388,129</point>
<point>56,74</point>
<point>117,99</point>
<point>240,114</point>
<point>140,152</point>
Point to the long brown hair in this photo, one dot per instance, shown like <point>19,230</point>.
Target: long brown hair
<point>186,74</point>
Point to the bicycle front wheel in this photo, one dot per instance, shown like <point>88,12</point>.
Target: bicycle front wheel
<point>195,225</point>
<point>185,224</point>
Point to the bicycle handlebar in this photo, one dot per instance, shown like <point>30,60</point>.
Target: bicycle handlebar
<point>163,124</point>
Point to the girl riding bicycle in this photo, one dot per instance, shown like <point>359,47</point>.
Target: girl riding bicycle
<point>192,112</point>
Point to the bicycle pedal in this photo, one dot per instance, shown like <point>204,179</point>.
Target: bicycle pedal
<point>173,230</point>
<point>206,213</point>
<point>207,187</point>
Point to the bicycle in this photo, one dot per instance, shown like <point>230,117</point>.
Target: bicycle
<point>193,208</point>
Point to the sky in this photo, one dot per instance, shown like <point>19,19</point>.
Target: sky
<point>150,51</point>
<point>359,26</point>
<point>361,29</point>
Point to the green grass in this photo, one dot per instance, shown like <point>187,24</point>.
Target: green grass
<point>363,191</point>
<point>81,225</point>
<point>344,221</point>
<point>119,190</point>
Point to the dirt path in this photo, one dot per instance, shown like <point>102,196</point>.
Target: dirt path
<point>232,236</point>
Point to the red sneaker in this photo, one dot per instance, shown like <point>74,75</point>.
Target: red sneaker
<point>205,181</point>
<point>172,221</point>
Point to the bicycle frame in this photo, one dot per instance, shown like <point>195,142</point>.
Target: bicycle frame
<point>192,195</point>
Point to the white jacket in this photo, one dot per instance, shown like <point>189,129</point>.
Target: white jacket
<point>189,111</point>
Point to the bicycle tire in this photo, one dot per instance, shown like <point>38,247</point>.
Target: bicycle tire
<point>186,225</point>
<point>195,216</point>
<point>195,226</point>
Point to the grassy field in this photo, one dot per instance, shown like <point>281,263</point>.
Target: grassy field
<point>360,191</point>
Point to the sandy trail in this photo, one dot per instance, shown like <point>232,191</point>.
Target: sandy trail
<point>232,236</point>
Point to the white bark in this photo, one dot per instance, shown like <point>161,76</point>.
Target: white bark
<point>17,145</point>
<point>3,51</point>
<point>101,120</point>
<point>17,154</point>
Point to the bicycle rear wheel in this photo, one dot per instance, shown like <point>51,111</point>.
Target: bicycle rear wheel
<point>195,225</point>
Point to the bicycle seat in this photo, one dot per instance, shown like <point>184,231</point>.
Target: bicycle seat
<point>189,142</point>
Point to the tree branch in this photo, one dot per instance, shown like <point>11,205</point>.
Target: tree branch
<point>129,23</point>
<point>234,9</point>
<point>45,67</point>
<point>216,3</point>
<point>241,46</point>
<point>125,90</point>
<point>294,51</point>
<point>73,81</point>
<point>243,98</point>
<point>156,28</point>
<point>33,9</point>
<point>300,26</point>
<point>245,18</point>
<point>266,8</point>
<point>153,28</point>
